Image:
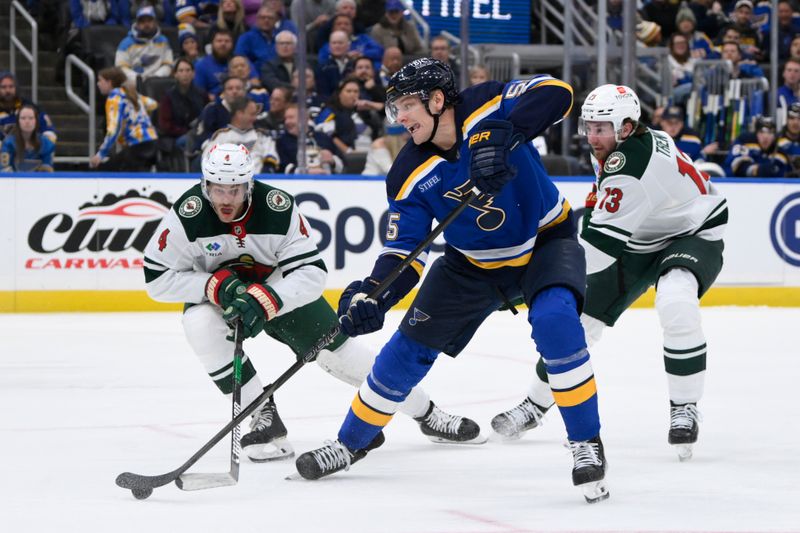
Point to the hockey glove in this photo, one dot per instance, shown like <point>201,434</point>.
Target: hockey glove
<point>256,306</point>
<point>359,315</point>
<point>490,148</point>
<point>223,287</point>
<point>769,169</point>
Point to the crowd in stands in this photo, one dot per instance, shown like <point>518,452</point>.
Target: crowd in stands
<point>190,72</point>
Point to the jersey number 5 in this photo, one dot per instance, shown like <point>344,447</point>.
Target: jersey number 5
<point>687,168</point>
<point>611,199</point>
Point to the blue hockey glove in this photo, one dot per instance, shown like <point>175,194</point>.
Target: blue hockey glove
<point>255,307</point>
<point>223,287</point>
<point>490,148</point>
<point>359,315</point>
<point>769,169</point>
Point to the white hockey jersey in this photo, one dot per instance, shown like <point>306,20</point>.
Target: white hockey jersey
<point>270,241</point>
<point>647,194</point>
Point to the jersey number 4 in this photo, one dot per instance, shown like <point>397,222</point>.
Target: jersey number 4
<point>687,168</point>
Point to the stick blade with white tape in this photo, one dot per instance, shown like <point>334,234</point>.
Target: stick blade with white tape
<point>200,481</point>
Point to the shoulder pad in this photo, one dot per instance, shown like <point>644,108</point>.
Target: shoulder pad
<point>630,158</point>
<point>411,164</point>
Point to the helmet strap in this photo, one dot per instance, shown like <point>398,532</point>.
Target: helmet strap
<point>435,119</point>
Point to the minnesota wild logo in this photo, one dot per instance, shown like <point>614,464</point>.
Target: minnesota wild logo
<point>191,207</point>
<point>614,162</point>
<point>278,200</point>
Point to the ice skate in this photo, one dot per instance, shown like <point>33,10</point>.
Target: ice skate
<point>442,427</point>
<point>267,440</point>
<point>512,424</point>
<point>332,457</point>
<point>590,468</point>
<point>683,428</point>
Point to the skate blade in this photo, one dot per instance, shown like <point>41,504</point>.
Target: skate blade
<point>501,437</point>
<point>684,451</point>
<point>295,477</point>
<point>480,439</point>
<point>595,491</point>
<point>276,450</point>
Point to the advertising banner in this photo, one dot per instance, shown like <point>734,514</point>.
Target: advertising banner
<point>70,236</point>
<point>490,21</point>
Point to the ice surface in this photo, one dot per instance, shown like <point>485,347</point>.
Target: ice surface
<point>87,396</point>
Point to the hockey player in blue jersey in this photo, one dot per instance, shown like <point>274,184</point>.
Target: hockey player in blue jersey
<point>518,239</point>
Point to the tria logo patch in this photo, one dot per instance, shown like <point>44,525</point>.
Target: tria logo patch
<point>191,207</point>
<point>614,162</point>
<point>418,316</point>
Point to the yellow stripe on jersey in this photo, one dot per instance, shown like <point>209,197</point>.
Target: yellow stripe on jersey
<point>368,414</point>
<point>559,83</point>
<point>479,114</point>
<point>515,262</point>
<point>576,396</point>
<point>693,138</point>
<point>417,265</point>
<point>565,209</point>
<point>420,172</point>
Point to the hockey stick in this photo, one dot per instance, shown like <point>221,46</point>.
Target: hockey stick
<point>142,486</point>
<point>209,481</point>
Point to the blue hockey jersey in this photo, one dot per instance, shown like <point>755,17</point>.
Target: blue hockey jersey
<point>426,183</point>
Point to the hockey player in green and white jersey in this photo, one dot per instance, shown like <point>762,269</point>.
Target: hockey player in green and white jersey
<point>651,219</point>
<point>232,247</point>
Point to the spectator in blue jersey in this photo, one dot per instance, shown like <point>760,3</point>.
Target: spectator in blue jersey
<point>144,53</point>
<point>181,104</point>
<point>330,72</point>
<point>217,114</point>
<point>742,20</point>
<point>361,44</point>
<point>742,68</point>
<point>239,67</point>
<point>756,154</point>
<point>686,139</point>
<point>211,69</point>
<point>258,44</point>
<point>279,69</point>
<point>789,92</point>
<point>789,140</point>
<point>188,45</point>
<point>130,141</point>
<point>322,156</point>
<point>339,120</point>
<point>614,18</point>
<point>342,7</point>
<point>164,9</point>
<point>700,46</point>
<point>788,27</point>
<point>11,103</point>
<point>24,149</point>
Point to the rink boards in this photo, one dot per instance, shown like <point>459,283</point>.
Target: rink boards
<point>73,241</point>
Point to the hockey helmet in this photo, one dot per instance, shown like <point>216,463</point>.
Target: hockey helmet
<point>765,123</point>
<point>227,164</point>
<point>419,78</point>
<point>794,110</point>
<point>610,103</point>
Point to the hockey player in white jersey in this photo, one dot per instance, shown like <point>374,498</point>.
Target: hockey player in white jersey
<point>231,247</point>
<point>652,218</point>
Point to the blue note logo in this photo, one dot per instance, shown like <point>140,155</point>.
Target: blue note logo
<point>418,316</point>
<point>784,229</point>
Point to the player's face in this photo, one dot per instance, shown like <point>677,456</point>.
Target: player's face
<point>793,124</point>
<point>601,138</point>
<point>227,200</point>
<point>415,119</point>
<point>765,138</point>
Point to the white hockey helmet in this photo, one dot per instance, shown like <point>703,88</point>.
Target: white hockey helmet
<point>610,103</point>
<point>227,164</point>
